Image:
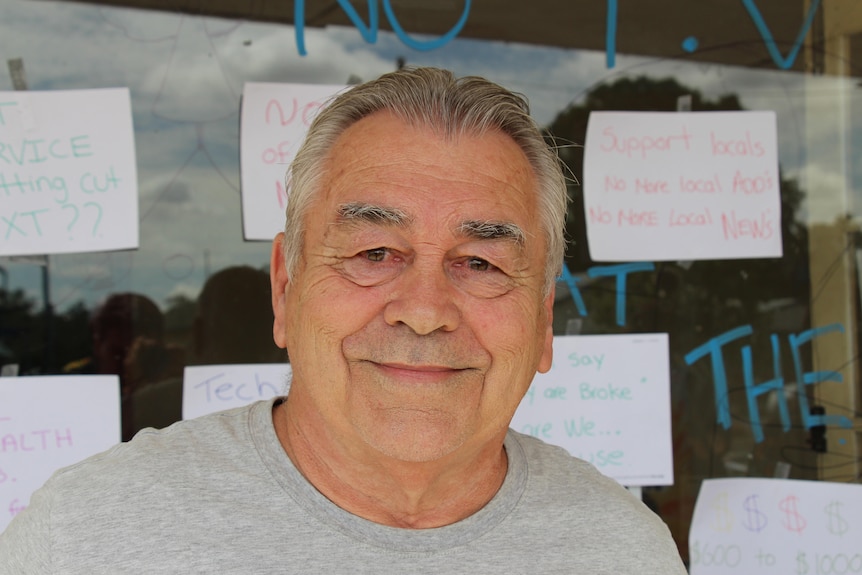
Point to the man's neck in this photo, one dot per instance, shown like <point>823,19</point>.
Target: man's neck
<point>390,492</point>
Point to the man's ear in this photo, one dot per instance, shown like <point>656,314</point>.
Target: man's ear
<point>548,345</point>
<point>278,282</point>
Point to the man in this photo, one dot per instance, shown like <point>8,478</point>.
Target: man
<point>414,291</point>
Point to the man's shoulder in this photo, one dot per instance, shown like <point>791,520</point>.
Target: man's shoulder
<point>571,499</point>
<point>163,488</point>
<point>554,472</point>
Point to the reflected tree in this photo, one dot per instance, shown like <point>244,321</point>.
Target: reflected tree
<point>22,334</point>
<point>761,280</point>
<point>693,302</point>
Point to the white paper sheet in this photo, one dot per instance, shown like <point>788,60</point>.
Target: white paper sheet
<point>51,422</point>
<point>68,178</point>
<point>275,119</point>
<point>777,527</point>
<point>606,400</point>
<point>682,186</point>
<point>212,388</point>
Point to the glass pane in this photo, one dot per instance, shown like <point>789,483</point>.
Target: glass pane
<point>195,292</point>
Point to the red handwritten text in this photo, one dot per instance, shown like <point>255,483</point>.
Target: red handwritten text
<point>700,185</point>
<point>644,145</point>
<point>696,218</point>
<point>647,186</point>
<point>752,185</point>
<point>735,227</point>
<point>632,217</point>
<point>736,148</point>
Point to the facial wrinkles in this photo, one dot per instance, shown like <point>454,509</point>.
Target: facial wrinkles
<point>359,180</point>
<point>361,212</point>
<point>400,345</point>
<point>422,179</point>
<point>457,350</point>
<point>494,231</point>
<point>364,224</point>
<point>423,174</point>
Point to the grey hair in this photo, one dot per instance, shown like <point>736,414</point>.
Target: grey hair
<point>435,98</point>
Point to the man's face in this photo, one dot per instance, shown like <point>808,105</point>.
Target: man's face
<point>416,319</point>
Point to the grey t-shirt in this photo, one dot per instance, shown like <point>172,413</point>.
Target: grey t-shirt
<point>218,494</point>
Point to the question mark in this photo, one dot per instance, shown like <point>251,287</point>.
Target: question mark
<point>98,217</point>
<point>74,219</point>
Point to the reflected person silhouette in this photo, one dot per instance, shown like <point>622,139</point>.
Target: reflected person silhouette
<point>234,320</point>
<point>232,325</point>
<point>127,331</point>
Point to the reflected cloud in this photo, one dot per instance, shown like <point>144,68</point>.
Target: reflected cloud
<point>186,73</point>
<point>826,198</point>
<point>185,290</point>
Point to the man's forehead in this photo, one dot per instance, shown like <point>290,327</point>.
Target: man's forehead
<point>383,171</point>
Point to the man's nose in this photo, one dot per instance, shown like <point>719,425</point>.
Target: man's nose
<point>423,301</point>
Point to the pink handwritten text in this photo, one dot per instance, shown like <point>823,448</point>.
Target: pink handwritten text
<point>758,228</point>
<point>745,147</point>
<point>38,440</point>
<point>644,145</point>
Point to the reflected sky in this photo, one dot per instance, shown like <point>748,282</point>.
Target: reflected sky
<point>186,73</point>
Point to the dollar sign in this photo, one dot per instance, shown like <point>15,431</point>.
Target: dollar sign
<point>694,553</point>
<point>723,519</point>
<point>794,522</point>
<point>801,564</point>
<point>756,520</point>
<point>837,524</point>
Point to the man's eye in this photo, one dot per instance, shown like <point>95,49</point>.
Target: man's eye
<point>479,265</point>
<point>372,267</point>
<point>375,255</point>
<point>480,278</point>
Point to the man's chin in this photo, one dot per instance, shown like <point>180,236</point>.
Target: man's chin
<point>415,436</point>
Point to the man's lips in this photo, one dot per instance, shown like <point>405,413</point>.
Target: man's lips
<point>418,373</point>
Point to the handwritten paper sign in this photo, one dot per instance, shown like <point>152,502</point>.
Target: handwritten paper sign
<point>606,400</point>
<point>51,422</point>
<point>275,119</point>
<point>68,179</point>
<point>212,388</point>
<point>776,526</point>
<point>682,186</point>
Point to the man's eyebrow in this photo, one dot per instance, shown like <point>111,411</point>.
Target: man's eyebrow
<point>493,230</point>
<point>356,212</point>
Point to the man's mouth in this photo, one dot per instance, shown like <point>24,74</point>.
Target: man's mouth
<point>417,373</point>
